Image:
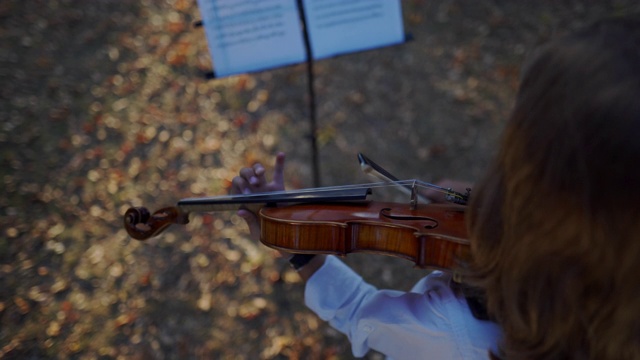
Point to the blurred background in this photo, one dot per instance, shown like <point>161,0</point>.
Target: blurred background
<point>104,105</point>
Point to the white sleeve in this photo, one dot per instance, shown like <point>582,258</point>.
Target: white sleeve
<point>431,320</point>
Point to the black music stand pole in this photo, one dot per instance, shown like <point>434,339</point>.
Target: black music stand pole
<point>312,97</point>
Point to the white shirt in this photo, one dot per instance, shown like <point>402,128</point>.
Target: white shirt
<point>430,322</point>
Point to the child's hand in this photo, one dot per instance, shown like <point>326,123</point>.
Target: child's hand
<point>253,180</point>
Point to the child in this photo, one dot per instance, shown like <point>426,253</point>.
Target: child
<point>553,227</point>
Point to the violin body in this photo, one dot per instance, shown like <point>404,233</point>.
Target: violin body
<point>431,235</point>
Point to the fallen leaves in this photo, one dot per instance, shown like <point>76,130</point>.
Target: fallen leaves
<point>23,306</point>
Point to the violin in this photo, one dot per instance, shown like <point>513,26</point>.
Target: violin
<point>337,220</point>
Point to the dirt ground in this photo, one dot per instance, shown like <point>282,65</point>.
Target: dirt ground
<point>104,105</point>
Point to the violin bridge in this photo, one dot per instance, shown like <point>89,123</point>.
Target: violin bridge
<point>413,204</point>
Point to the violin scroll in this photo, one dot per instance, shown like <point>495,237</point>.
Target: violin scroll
<point>142,225</point>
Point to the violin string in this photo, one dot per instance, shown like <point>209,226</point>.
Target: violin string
<point>264,197</point>
<point>401,183</point>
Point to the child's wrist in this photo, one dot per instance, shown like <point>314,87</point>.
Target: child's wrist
<point>298,261</point>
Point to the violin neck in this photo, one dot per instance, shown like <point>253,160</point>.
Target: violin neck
<point>235,202</point>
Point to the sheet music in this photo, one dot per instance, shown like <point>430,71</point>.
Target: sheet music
<point>338,26</point>
<point>251,35</point>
